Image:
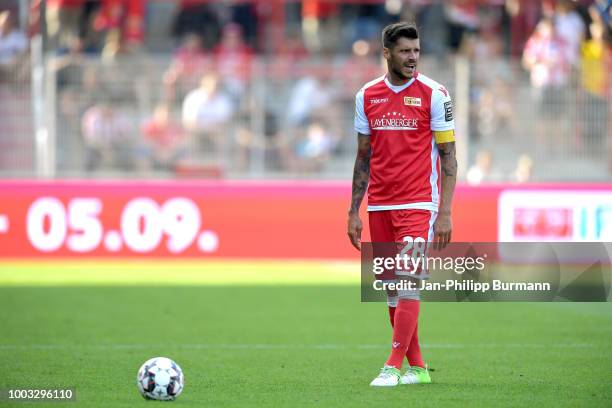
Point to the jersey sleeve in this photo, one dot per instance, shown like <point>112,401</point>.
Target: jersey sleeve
<point>441,110</point>
<point>361,121</point>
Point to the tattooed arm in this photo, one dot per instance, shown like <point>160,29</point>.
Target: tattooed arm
<point>443,226</point>
<point>361,176</point>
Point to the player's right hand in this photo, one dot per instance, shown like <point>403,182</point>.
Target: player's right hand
<point>354,230</point>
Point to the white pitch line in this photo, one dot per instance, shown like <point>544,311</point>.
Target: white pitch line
<point>288,346</point>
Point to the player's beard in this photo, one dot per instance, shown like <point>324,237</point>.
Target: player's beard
<point>399,73</point>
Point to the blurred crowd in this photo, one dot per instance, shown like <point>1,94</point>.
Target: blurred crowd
<point>190,86</point>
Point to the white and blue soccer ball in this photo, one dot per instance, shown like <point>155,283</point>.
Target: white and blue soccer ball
<point>160,379</point>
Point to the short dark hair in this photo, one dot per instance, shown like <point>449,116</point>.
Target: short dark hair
<point>395,31</point>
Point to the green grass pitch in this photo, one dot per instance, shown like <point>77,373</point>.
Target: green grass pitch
<point>283,334</point>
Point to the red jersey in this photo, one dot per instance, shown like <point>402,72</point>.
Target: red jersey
<point>162,134</point>
<point>405,165</point>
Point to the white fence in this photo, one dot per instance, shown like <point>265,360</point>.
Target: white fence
<point>278,118</point>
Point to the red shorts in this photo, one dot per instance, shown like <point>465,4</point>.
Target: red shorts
<point>411,228</point>
<point>395,225</point>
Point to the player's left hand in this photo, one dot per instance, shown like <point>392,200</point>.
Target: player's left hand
<point>443,228</point>
<point>354,230</point>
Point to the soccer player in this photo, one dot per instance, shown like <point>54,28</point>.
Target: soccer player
<point>406,153</point>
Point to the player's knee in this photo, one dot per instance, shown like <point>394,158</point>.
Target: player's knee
<point>409,294</point>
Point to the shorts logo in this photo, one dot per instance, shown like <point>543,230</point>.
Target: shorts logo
<point>410,101</point>
<point>448,111</point>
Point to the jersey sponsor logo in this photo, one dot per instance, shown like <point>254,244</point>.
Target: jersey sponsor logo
<point>379,100</point>
<point>410,101</point>
<point>444,91</point>
<point>394,121</point>
<point>448,111</point>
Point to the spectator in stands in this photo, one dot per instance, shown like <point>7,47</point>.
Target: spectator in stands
<point>462,18</point>
<point>63,18</point>
<point>432,22</point>
<point>207,112</point>
<point>189,63</point>
<point>91,39</point>
<point>362,22</point>
<point>72,100</point>
<point>233,60</point>
<point>548,59</point>
<point>123,23</point>
<point>320,25</point>
<point>492,107</point>
<point>495,113</point>
<point>13,49</point>
<point>570,27</point>
<point>483,170</point>
<point>244,14</point>
<point>69,67</point>
<point>486,48</point>
<point>108,139</point>
<point>524,15</point>
<point>196,16</point>
<point>310,95</point>
<point>314,98</point>
<point>601,11</point>
<point>594,85</point>
<point>524,169</point>
<point>313,151</point>
<point>163,144</point>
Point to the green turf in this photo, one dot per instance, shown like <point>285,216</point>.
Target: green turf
<point>295,344</point>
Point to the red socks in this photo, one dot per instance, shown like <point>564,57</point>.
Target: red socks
<point>405,338</point>
<point>414,350</point>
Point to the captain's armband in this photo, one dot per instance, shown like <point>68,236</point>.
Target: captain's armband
<point>444,136</point>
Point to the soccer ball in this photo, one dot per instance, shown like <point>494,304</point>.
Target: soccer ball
<point>160,379</point>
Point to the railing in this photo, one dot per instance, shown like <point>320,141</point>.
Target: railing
<point>285,118</point>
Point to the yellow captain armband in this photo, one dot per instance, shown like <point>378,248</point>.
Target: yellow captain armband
<point>444,136</point>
